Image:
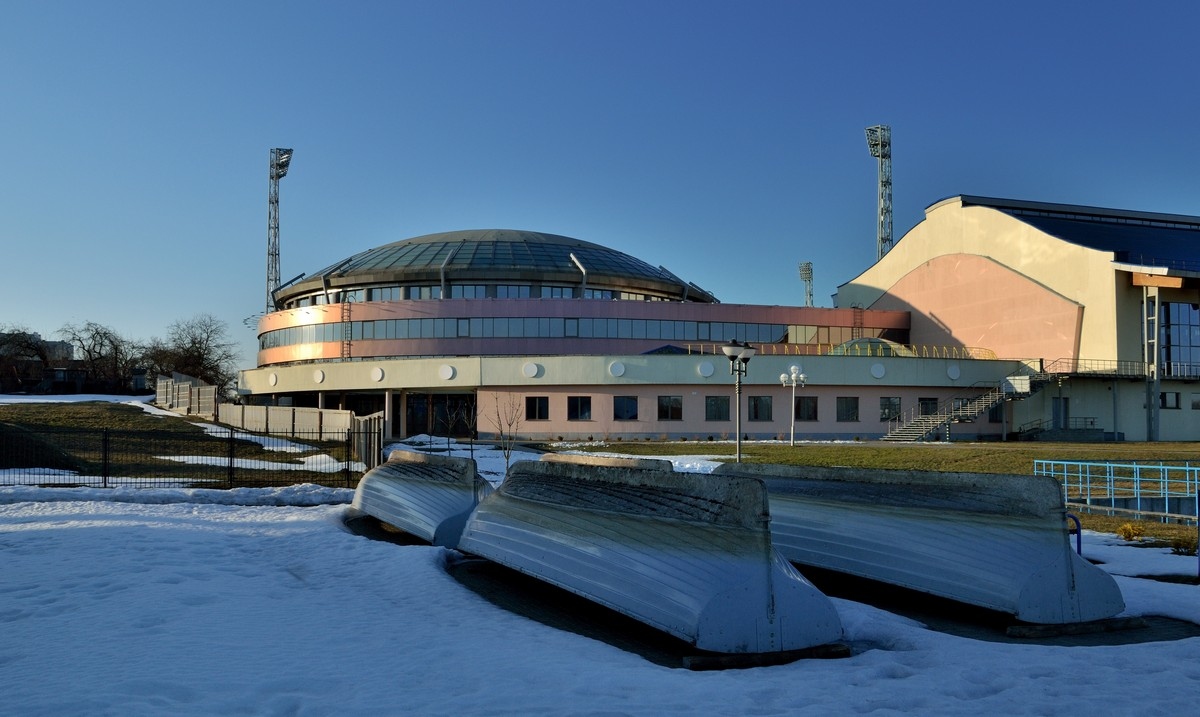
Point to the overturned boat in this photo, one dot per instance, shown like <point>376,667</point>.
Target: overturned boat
<point>997,541</point>
<point>428,496</point>
<point>686,553</point>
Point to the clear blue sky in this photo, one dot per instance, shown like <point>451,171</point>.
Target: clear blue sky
<point>723,140</point>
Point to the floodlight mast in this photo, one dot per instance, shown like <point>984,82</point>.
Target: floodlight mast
<point>280,159</point>
<point>879,141</point>
<point>806,276</point>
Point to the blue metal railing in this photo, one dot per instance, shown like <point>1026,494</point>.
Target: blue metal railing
<point>1153,488</point>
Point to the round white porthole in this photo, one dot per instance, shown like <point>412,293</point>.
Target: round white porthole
<point>616,368</point>
<point>318,376</point>
<point>878,371</point>
<point>273,379</point>
<point>953,372</point>
<point>530,370</point>
<point>446,372</point>
<point>376,374</point>
<point>705,369</point>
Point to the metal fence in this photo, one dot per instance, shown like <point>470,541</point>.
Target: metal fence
<point>220,457</point>
<point>1151,489</point>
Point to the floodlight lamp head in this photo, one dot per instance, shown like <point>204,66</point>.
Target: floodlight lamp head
<point>283,157</point>
<point>879,141</point>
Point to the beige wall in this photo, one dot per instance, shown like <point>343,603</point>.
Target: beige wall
<point>979,275</point>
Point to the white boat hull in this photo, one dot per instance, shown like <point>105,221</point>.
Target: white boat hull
<point>685,553</point>
<point>996,541</point>
<point>427,496</point>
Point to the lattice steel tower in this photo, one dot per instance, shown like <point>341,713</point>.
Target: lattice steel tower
<point>879,140</point>
<point>280,159</point>
<point>807,278</point>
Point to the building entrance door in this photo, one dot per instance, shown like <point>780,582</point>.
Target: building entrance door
<point>1060,412</point>
<point>440,414</point>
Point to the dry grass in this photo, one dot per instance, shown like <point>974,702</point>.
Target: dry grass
<point>1015,458</point>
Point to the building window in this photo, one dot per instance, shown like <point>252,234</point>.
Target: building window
<point>760,408</point>
<point>927,406</point>
<point>889,408</point>
<point>670,408</point>
<point>506,291</point>
<point>1168,399</point>
<point>847,409</point>
<point>806,408</point>
<point>537,408</point>
<point>579,408</point>
<point>624,408</point>
<point>716,408</point>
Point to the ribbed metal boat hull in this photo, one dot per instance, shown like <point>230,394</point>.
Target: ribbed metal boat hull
<point>996,541</point>
<point>427,496</point>
<point>685,553</point>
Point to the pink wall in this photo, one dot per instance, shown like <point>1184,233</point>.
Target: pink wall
<point>971,300</point>
<point>694,426</point>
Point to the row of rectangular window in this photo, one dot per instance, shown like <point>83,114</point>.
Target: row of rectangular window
<point>465,291</point>
<point>716,408</point>
<point>528,327</point>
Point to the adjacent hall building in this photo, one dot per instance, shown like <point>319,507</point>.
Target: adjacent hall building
<point>989,319</point>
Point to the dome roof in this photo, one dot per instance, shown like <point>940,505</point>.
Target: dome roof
<point>498,255</point>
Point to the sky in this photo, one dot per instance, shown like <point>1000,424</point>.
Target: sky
<point>185,602</point>
<point>724,141</point>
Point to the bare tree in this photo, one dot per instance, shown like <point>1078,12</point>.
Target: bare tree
<point>24,358</point>
<point>108,357</point>
<point>199,347</point>
<point>506,419</point>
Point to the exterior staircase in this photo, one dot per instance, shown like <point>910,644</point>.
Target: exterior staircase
<point>920,426</point>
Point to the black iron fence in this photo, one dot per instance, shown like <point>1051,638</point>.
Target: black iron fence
<point>220,457</point>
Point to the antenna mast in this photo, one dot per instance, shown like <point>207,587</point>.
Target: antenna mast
<point>807,278</point>
<point>280,159</point>
<point>879,141</point>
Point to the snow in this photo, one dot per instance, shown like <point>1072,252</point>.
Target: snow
<point>261,602</point>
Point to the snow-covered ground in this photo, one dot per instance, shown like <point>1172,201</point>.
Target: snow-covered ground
<point>260,602</point>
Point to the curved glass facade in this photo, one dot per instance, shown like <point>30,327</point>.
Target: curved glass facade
<point>526,327</point>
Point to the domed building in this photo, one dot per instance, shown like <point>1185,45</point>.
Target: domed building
<point>548,337</point>
<point>1094,312</point>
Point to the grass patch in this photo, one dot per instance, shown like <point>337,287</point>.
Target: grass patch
<point>20,448</point>
<point>1013,458</point>
<point>140,447</point>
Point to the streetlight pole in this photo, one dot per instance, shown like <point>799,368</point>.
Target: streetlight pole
<point>739,356</point>
<point>793,378</point>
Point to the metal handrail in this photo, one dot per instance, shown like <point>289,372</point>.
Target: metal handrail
<point>865,349</point>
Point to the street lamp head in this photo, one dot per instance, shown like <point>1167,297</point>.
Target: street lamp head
<point>802,379</point>
<point>735,351</point>
<point>783,378</point>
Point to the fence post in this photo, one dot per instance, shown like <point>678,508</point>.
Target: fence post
<point>229,474</point>
<point>104,450</point>
<point>349,449</point>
